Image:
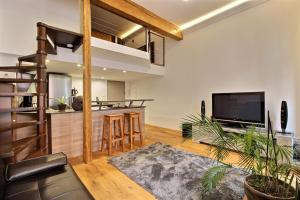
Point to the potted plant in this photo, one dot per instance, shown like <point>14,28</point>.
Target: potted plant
<point>268,165</point>
<point>61,103</point>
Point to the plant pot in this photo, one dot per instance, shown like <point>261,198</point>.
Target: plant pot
<point>253,194</point>
<point>62,107</point>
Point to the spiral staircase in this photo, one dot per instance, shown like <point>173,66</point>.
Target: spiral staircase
<point>37,142</point>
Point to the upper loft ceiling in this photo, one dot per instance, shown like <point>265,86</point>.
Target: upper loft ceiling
<point>181,11</point>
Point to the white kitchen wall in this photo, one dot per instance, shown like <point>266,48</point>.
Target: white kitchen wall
<point>255,50</point>
<point>99,88</point>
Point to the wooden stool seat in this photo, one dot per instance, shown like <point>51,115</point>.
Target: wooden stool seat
<point>110,135</point>
<point>131,117</point>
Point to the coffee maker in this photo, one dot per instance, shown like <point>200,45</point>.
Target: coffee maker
<point>74,93</point>
<point>27,101</point>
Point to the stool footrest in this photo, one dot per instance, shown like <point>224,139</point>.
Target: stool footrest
<point>117,139</point>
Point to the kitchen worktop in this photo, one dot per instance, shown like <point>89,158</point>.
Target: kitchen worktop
<point>65,129</point>
<point>52,111</point>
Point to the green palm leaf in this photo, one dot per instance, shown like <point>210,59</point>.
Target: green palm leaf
<point>213,176</point>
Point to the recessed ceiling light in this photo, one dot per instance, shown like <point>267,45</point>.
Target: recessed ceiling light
<point>47,60</point>
<point>124,71</point>
<point>185,0</point>
<point>104,68</point>
<point>212,14</point>
<point>102,77</point>
<point>78,65</point>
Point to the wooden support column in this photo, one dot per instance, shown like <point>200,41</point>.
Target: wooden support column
<point>41,55</point>
<point>87,108</point>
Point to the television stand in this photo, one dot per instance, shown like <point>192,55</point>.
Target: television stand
<point>282,139</point>
<point>234,130</point>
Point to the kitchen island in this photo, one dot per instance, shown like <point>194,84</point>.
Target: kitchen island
<point>65,129</point>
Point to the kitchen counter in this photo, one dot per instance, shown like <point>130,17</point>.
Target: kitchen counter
<point>51,111</point>
<point>65,129</point>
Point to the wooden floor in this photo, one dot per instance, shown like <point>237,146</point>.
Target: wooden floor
<point>104,181</point>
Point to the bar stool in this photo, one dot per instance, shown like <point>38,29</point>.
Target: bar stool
<point>131,132</point>
<point>109,136</point>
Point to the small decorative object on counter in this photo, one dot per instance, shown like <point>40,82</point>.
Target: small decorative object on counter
<point>61,103</point>
<point>77,103</point>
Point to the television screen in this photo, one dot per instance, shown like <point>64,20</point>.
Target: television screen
<point>244,107</point>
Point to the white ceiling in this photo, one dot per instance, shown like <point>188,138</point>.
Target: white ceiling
<point>181,11</point>
<point>97,72</point>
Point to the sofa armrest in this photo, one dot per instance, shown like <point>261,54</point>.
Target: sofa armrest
<point>34,166</point>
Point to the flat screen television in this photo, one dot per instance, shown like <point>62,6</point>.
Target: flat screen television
<point>243,108</point>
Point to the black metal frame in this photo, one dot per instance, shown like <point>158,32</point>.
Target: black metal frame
<point>149,35</point>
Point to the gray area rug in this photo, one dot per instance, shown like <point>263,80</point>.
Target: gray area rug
<point>171,174</point>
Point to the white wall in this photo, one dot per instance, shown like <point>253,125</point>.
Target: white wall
<point>18,20</point>
<point>99,88</point>
<point>256,50</point>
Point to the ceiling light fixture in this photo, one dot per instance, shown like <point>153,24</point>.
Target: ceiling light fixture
<point>212,14</point>
<point>124,71</point>
<point>102,77</point>
<point>104,68</point>
<point>130,31</point>
<point>78,65</point>
<point>47,60</point>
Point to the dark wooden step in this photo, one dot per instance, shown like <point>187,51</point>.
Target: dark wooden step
<point>5,110</point>
<point>28,58</point>
<point>36,153</point>
<point>6,151</point>
<point>17,125</point>
<point>50,48</point>
<point>20,145</point>
<point>22,69</point>
<point>63,38</point>
<point>20,94</point>
<point>13,148</point>
<point>18,80</point>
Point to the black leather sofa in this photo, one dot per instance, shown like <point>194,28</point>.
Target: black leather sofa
<point>44,178</point>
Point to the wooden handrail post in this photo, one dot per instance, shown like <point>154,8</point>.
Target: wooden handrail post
<point>41,55</point>
<point>87,113</point>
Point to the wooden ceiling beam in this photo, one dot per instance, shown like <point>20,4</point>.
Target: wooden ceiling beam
<point>140,15</point>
